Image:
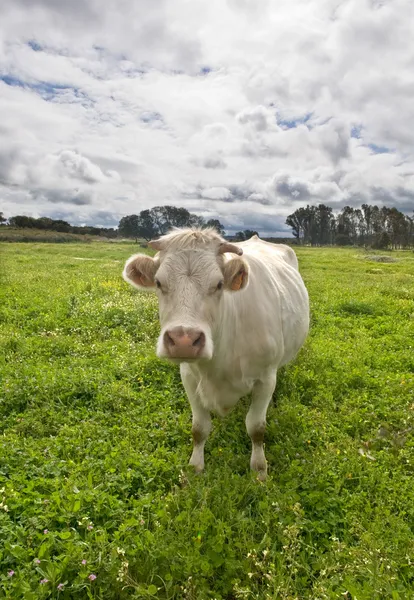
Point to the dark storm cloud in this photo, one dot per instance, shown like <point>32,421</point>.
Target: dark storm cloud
<point>8,159</point>
<point>287,187</point>
<point>267,225</point>
<point>76,197</point>
<point>214,162</point>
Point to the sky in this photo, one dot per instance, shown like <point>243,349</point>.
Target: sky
<point>242,110</point>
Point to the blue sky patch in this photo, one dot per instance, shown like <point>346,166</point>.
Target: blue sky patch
<point>356,131</point>
<point>12,81</point>
<point>379,149</point>
<point>40,86</point>
<point>35,46</point>
<point>48,91</point>
<point>292,123</point>
<point>150,116</point>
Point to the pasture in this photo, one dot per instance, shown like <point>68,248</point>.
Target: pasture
<point>96,499</point>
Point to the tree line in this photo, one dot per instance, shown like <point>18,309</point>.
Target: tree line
<point>147,225</point>
<point>373,226</point>
<point>45,223</point>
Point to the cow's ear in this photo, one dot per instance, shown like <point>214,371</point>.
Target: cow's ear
<point>140,271</point>
<point>236,274</point>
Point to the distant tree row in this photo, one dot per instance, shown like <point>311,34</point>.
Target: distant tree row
<point>152,223</point>
<point>24,222</point>
<point>366,226</point>
<point>147,225</point>
<point>377,227</point>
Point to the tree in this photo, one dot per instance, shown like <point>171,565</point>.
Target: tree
<point>138,226</point>
<point>325,221</point>
<point>157,221</point>
<point>352,223</point>
<point>167,217</point>
<point>63,226</point>
<point>45,223</point>
<point>368,225</point>
<point>2,219</point>
<point>128,227</point>
<point>313,225</point>
<point>21,221</point>
<point>241,236</point>
<point>342,239</point>
<point>383,241</point>
<point>297,222</point>
<point>146,226</point>
<point>195,221</point>
<point>397,226</point>
<point>215,224</point>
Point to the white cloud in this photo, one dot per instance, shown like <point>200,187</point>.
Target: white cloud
<point>259,117</point>
<point>214,162</point>
<point>74,165</point>
<point>217,193</point>
<point>242,110</point>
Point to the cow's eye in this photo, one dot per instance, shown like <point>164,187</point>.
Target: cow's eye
<point>157,283</point>
<point>219,285</point>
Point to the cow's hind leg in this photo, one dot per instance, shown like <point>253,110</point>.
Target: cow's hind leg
<point>256,421</point>
<point>201,420</point>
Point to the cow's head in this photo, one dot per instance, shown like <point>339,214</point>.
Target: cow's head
<point>190,274</point>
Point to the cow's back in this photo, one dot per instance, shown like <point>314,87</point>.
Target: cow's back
<point>260,247</point>
<point>274,308</point>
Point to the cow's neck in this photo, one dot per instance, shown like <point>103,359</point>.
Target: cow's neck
<point>225,334</point>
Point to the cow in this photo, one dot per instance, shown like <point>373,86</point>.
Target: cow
<point>231,315</point>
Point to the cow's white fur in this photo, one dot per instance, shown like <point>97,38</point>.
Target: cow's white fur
<point>249,333</point>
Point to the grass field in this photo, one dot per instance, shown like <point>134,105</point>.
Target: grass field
<point>96,500</point>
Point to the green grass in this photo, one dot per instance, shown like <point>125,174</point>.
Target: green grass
<point>95,439</point>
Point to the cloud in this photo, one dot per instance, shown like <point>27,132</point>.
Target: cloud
<point>290,187</point>
<point>76,196</point>
<point>259,117</point>
<point>217,193</point>
<point>8,159</point>
<point>74,165</point>
<point>214,162</point>
<point>225,108</point>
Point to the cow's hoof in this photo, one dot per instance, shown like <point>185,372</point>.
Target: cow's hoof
<point>260,472</point>
<point>197,466</point>
<point>262,475</point>
<point>197,470</point>
<point>258,464</point>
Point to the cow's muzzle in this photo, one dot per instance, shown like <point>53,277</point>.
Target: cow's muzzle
<point>184,343</point>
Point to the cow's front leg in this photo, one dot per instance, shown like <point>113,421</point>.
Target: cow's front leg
<point>256,421</point>
<point>200,430</point>
<point>201,420</point>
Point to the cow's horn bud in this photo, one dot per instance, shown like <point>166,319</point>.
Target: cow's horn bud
<point>227,247</point>
<point>155,244</point>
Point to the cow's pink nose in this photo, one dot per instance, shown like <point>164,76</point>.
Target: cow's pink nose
<point>181,342</point>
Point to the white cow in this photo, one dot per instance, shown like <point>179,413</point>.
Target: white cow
<point>230,322</point>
